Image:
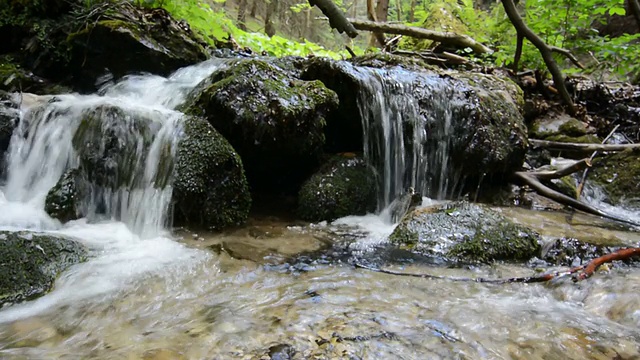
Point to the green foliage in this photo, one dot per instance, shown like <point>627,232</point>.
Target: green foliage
<point>217,25</point>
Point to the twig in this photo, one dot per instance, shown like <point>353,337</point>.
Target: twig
<point>350,51</point>
<point>586,171</point>
<point>579,273</point>
<point>555,145</point>
<point>567,54</point>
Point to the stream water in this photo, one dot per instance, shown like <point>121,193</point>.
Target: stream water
<point>151,293</point>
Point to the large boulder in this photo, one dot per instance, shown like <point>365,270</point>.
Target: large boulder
<point>344,186</point>
<point>273,119</point>
<point>467,232</point>
<point>64,201</point>
<point>77,44</point>
<point>210,188</point>
<point>31,262</point>
<point>466,122</point>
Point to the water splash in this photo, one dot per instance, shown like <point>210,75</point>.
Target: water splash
<point>407,121</point>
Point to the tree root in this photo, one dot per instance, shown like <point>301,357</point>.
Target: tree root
<point>579,272</point>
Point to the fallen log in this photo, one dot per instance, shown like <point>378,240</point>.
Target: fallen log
<point>567,170</point>
<point>448,38</point>
<point>556,145</point>
<point>579,273</point>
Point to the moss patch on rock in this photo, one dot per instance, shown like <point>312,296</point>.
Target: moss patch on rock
<point>31,262</point>
<point>465,232</point>
<point>210,188</point>
<point>274,120</point>
<point>343,186</point>
<point>618,175</point>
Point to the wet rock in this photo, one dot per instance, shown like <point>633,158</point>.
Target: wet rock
<point>78,43</point>
<point>476,117</point>
<point>31,262</point>
<point>64,200</point>
<point>281,352</point>
<point>572,252</point>
<point>619,176</point>
<point>210,188</point>
<point>273,119</point>
<point>9,117</point>
<point>33,332</point>
<point>13,77</point>
<point>162,354</point>
<point>343,186</point>
<point>554,124</point>
<point>461,231</point>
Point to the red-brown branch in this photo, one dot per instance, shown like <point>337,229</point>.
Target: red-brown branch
<point>579,272</point>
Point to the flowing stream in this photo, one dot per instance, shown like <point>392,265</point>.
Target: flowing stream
<point>148,293</point>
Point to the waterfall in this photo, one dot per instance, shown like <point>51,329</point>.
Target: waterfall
<point>407,121</point>
<point>124,137</point>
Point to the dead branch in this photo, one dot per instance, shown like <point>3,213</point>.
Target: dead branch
<point>337,19</point>
<point>545,52</point>
<point>434,58</point>
<point>568,55</point>
<point>543,190</point>
<point>579,272</point>
<point>420,33</point>
<point>568,170</point>
<point>556,145</point>
<point>593,155</point>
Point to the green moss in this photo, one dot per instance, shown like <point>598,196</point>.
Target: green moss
<point>344,186</point>
<point>573,128</point>
<point>210,188</point>
<point>584,139</point>
<point>31,262</point>
<point>466,232</point>
<point>618,175</point>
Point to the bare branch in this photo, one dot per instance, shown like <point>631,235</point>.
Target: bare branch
<point>555,145</point>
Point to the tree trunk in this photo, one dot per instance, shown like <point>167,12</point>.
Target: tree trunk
<point>399,10</point>
<point>412,11</point>
<point>337,20</point>
<point>242,8</point>
<point>635,9</point>
<point>269,26</point>
<point>354,14</point>
<point>382,10</point>
<point>377,38</point>
<point>545,51</point>
<point>254,9</point>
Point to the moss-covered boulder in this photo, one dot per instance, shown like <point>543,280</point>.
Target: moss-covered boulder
<point>9,117</point>
<point>210,188</point>
<point>472,120</point>
<point>466,232</point>
<point>76,43</point>
<point>31,262</point>
<point>273,119</point>
<point>554,124</point>
<point>64,200</point>
<point>343,186</point>
<point>619,176</point>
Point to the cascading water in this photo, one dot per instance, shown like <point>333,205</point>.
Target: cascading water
<point>123,139</point>
<point>408,142</point>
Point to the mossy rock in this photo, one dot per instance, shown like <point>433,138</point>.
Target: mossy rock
<point>127,46</point>
<point>210,188</point>
<point>64,200</point>
<point>619,176</point>
<point>558,125</point>
<point>466,232</point>
<point>273,119</point>
<point>343,186</point>
<point>31,262</point>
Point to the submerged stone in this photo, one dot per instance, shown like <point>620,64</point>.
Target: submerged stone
<point>467,232</point>
<point>343,186</point>
<point>31,262</point>
<point>272,118</point>
<point>210,188</point>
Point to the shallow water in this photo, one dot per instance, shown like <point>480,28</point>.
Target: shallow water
<point>163,299</point>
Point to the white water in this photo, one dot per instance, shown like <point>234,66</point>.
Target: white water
<point>395,132</point>
<point>125,227</point>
